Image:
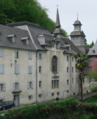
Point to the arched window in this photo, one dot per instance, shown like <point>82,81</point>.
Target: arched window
<point>54,64</point>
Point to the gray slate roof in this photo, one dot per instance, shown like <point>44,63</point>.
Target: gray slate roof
<point>77,33</point>
<point>83,49</point>
<point>77,22</point>
<point>35,31</point>
<point>73,47</point>
<point>58,25</point>
<point>5,42</point>
<point>91,52</point>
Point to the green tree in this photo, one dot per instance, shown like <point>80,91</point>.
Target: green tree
<point>26,10</point>
<point>81,64</point>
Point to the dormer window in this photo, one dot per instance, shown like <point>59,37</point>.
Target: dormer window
<point>93,51</point>
<point>25,40</point>
<point>11,38</point>
<point>67,48</point>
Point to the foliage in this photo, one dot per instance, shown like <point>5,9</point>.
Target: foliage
<point>91,99</point>
<point>93,69</point>
<point>65,109</point>
<point>26,10</point>
<point>81,61</point>
<point>93,63</point>
<point>93,87</point>
<point>89,46</point>
<point>92,75</point>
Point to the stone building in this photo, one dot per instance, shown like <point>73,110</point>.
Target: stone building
<point>37,66</point>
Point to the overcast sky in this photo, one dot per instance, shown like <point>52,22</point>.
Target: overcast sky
<point>68,9</point>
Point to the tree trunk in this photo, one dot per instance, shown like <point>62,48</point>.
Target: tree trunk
<point>81,86</point>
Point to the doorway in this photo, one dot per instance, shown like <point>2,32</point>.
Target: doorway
<point>16,100</point>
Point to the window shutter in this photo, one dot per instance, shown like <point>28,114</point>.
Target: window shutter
<point>32,84</point>
<point>30,69</point>
<point>28,85</point>
<point>0,87</point>
<point>2,69</point>
<point>4,89</point>
<point>38,56</point>
<point>19,86</point>
<point>1,53</point>
<point>13,86</point>
<point>16,69</point>
<point>30,55</point>
<point>42,56</point>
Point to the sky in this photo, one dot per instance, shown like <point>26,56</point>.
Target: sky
<point>68,9</point>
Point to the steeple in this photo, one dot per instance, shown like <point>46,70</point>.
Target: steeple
<point>58,20</point>
<point>58,32</point>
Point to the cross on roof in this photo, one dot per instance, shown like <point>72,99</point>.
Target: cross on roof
<point>77,16</point>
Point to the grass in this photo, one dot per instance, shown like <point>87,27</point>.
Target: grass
<point>91,99</point>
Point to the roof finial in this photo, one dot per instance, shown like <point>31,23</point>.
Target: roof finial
<point>57,6</point>
<point>77,16</point>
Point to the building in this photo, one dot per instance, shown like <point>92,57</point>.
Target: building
<point>37,66</point>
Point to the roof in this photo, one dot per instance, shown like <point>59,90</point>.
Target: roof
<point>24,23</point>
<point>58,31</point>
<point>77,33</point>
<point>77,22</point>
<point>83,49</point>
<point>68,41</point>
<point>35,30</point>
<point>93,50</point>
<point>5,42</point>
<point>58,25</point>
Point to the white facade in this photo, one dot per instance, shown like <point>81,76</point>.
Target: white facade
<point>38,92</point>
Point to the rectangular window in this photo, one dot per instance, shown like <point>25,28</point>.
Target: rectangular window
<point>30,97</point>
<point>83,80</point>
<point>16,86</point>
<point>72,58</point>
<point>57,93</point>
<point>30,85</point>
<point>40,56</point>
<point>1,68</point>
<point>52,94</point>
<point>30,69</point>
<point>67,82</point>
<point>2,87</point>
<point>30,55</point>
<point>16,54</point>
<point>40,84</point>
<point>72,80</point>
<point>67,58</point>
<point>16,69</point>
<point>40,95</point>
<point>67,69</point>
<point>55,83</point>
<point>67,91</point>
<point>1,52</point>
<point>76,80</point>
<point>40,69</point>
<point>72,69</point>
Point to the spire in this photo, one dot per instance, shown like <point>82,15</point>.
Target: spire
<point>58,20</point>
<point>58,31</point>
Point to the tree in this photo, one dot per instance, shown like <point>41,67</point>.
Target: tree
<point>92,43</point>
<point>93,69</point>
<point>85,41</point>
<point>81,64</point>
<point>26,10</point>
